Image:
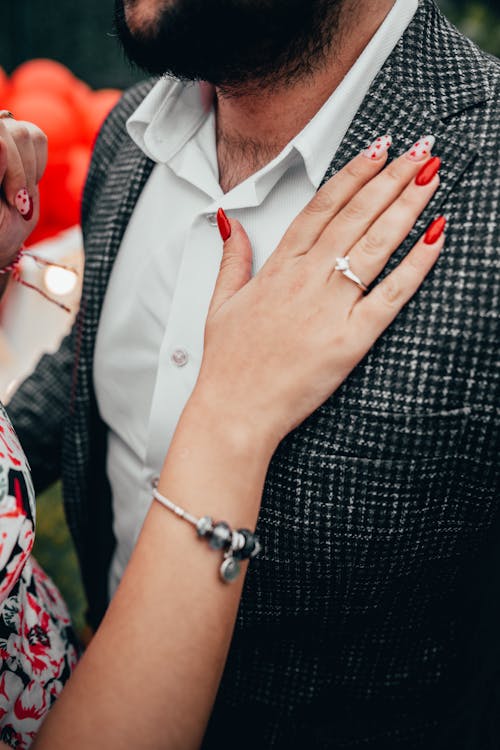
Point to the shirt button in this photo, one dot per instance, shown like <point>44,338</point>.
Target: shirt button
<point>179,357</point>
<point>212,219</point>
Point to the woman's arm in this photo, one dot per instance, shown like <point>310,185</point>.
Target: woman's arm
<point>149,678</point>
<point>276,347</point>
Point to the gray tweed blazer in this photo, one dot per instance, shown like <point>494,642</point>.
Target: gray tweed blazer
<point>350,623</point>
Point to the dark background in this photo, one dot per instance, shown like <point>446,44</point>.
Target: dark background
<point>80,34</point>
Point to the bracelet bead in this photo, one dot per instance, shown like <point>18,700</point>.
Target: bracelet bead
<point>221,536</point>
<point>204,527</point>
<point>236,544</point>
<point>248,548</point>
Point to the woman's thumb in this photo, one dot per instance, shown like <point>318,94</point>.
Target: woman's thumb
<point>236,264</point>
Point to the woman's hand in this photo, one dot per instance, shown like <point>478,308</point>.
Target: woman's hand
<point>278,345</point>
<point>23,157</point>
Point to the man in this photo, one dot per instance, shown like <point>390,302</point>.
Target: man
<point>349,626</point>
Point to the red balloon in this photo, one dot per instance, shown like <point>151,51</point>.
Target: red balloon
<point>41,232</point>
<point>54,115</point>
<point>61,188</point>
<point>4,86</point>
<point>43,75</point>
<point>79,94</point>
<point>70,113</point>
<point>56,207</point>
<point>78,161</point>
<point>97,107</point>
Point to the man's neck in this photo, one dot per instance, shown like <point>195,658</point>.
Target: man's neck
<point>254,126</point>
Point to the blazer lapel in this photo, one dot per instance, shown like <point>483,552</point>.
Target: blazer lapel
<point>417,92</point>
<point>124,184</point>
<point>112,207</point>
<point>86,491</point>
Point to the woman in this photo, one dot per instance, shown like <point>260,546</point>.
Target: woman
<point>37,647</point>
<point>276,347</point>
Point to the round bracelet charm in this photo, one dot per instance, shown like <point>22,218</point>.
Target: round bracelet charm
<point>230,569</point>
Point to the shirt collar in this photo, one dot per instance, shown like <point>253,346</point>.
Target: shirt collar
<point>188,106</point>
<point>169,101</point>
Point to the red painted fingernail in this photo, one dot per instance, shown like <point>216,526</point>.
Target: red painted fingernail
<point>428,171</point>
<point>435,230</point>
<point>29,215</point>
<point>24,204</point>
<point>224,225</point>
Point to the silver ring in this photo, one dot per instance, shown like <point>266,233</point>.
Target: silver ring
<point>344,266</point>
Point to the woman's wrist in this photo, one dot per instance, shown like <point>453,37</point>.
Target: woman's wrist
<point>8,259</point>
<point>242,432</point>
<point>215,466</point>
<point>7,264</point>
<point>4,280</point>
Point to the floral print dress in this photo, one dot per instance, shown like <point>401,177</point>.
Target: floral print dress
<point>37,647</point>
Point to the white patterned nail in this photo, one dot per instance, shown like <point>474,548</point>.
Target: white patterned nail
<point>23,203</point>
<point>421,149</point>
<point>378,148</point>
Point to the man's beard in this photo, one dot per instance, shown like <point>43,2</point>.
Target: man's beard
<point>234,44</point>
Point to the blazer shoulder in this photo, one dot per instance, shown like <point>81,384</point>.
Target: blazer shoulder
<point>439,66</point>
<point>473,64</point>
<point>489,65</point>
<point>482,119</point>
<point>469,80</point>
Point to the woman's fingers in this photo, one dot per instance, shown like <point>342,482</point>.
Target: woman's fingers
<point>351,223</point>
<point>14,184</point>
<point>40,146</point>
<point>374,312</point>
<point>374,249</point>
<point>14,230</point>
<point>370,254</point>
<point>3,160</point>
<point>330,199</point>
<point>26,151</point>
<point>23,155</point>
<point>26,148</point>
<point>236,263</point>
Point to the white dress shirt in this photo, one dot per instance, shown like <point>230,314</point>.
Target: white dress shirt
<point>150,338</point>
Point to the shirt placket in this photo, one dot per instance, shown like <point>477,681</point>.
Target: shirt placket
<point>182,345</point>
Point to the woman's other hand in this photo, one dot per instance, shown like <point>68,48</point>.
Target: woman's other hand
<point>23,158</point>
<point>279,344</point>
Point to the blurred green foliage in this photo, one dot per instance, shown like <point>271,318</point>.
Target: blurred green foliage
<point>478,20</point>
<point>55,552</point>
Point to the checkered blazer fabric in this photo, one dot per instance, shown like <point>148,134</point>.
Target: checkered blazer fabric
<point>349,629</point>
